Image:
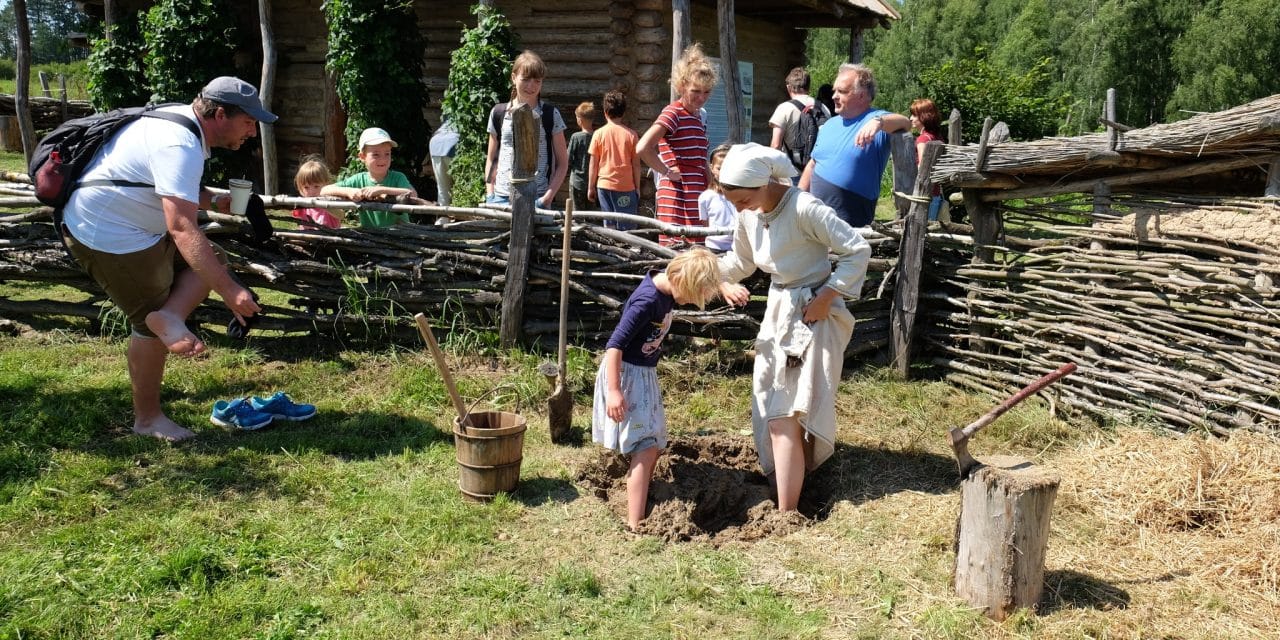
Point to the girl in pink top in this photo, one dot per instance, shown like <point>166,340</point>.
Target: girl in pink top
<point>675,146</point>
<point>925,118</point>
<point>312,176</point>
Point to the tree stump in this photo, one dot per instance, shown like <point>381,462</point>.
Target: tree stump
<point>1003,533</point>
<point>10,135</point>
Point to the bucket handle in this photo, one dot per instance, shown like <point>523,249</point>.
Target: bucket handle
<point>506,385</point>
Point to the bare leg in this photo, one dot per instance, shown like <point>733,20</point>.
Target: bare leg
<point>787,437</point>
<point>169,321</point>
<point>146,370</point>
<point>638,476</point>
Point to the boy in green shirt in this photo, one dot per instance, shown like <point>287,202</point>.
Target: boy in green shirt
<point>379,182</point>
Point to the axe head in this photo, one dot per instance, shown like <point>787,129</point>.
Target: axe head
<point>960,445</point>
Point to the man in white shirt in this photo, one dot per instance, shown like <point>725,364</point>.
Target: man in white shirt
<point>142,244</point>
<point>786,118</point>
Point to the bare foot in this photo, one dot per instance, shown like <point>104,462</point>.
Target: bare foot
<point>163,428</point>
<point>175,335</point>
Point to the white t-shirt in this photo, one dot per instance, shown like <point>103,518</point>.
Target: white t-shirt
<point>786,115</point>
<point>120,220</point>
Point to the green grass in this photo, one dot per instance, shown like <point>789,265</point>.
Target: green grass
<point>351,525</point>
<point>75,73</point>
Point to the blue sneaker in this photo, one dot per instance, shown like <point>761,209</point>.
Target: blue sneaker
<point>281,407</point>
<point>239,414</point>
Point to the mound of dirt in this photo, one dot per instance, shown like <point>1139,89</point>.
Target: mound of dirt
<point>706,488</point>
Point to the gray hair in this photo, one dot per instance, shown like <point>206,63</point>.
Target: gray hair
<point>862,77</point>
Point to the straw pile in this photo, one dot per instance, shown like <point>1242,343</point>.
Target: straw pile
<point>1208,508</point>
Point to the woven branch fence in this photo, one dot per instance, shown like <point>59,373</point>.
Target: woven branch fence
<point>1124,258</point>
<point>354,280</point>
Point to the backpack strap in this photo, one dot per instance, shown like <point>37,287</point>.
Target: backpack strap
<point>797,104</point>
<point>159,115</point>
<point>548,123</point>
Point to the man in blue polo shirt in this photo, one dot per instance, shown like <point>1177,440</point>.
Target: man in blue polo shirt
<point>852,148</point>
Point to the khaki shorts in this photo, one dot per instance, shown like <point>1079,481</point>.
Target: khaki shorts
<point>137,282</point>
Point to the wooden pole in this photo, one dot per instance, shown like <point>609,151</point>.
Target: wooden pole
<point>1139,177</point>
<point>902,148</point>
<point>955,136</point>
<point>983,140</point>
<point>681,28</point>
<point>906,294</point>
<point>1109,112</point>
<point>855,45</point>
<point>986,228</point>
<point>62,88</point>
<point>1273,178</point>
<point>108,18</point>
<point>266,91</point>
<point>21,97</point>
<point>44,85</point>
<point>1005,506</point>
<point>732,79</point>
<point>524,166</point>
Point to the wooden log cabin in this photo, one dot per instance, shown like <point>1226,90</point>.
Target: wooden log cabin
<point>590,46</point>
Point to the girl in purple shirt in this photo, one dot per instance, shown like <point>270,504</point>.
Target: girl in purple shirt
<point>627,414</point>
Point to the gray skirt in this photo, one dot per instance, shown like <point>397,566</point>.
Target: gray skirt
<point>644,424</point>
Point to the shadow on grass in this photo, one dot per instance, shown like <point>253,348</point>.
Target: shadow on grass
<point>535,492</point>
<point>861,474</point>
<point>37,419</point>
<point>1065,589</point>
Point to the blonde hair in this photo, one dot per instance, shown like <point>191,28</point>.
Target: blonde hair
<point>695,275</point>
<point>586,111</point>
<point>694,69</point>
<point>719,152</point>
<point>313,170</point>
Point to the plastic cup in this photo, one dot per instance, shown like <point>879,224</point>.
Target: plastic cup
<point>240,190</point>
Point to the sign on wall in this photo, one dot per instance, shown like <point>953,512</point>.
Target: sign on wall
<point>717,115</point>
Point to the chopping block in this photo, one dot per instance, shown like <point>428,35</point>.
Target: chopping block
<point>1003,533</point>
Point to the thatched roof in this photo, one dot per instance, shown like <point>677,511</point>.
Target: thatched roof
<point>1240,138</point>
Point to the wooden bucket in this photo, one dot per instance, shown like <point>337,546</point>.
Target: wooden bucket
<point>490,446</point>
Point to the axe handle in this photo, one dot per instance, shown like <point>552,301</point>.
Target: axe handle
<point>1044,381</point>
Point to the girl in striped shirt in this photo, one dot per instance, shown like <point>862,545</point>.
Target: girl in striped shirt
<point>675,146</point>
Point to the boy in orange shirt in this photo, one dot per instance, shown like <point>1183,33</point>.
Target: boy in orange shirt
<point>614,177</point>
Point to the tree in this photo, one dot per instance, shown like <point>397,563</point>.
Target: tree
<point>51,21</point>
<point>1227,57</point>
<point>479,77</point>
<point>980,88</point>
<point>375,54</point>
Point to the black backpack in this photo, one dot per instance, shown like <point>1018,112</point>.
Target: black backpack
<point>61,157</point>
<point>800,140</point>
<point>548,123</point>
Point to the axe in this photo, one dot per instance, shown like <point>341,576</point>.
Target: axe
<point>960,437</point>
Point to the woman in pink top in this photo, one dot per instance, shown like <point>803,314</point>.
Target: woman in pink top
<point>675,146</point>
<point>925,118</point>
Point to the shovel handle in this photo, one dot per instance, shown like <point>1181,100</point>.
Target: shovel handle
<point>562,360</point>
<point>425,330</point>
<point>1044,381</point>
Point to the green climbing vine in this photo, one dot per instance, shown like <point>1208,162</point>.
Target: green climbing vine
<point>116,76</point>
<point>188,43</point>
<point>479,77</point>
<point>376,56</point>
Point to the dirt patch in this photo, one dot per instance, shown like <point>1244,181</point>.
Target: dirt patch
<point>706,488</point>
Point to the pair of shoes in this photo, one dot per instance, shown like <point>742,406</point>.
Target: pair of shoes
<point>251,414</point>
<point>239,414</point>
<point>280,406</point>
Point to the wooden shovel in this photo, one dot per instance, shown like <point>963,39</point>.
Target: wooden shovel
<point>425,330</point>
<point>560,404</point>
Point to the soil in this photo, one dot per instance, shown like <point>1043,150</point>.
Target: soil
<point>705,488</point>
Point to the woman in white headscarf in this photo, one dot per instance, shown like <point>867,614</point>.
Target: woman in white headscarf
<point>788,234</point>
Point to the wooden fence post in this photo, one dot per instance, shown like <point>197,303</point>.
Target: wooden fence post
<point>44,85</point>
<point>731,79</point>
<point>1273,178</point>
<point>986,223</point>
<point>681,30</point>
<point>903,150</point>
<point>266,91</point>
<point>955,136</point>
<point>906,293</point>
<point>524,166</point>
